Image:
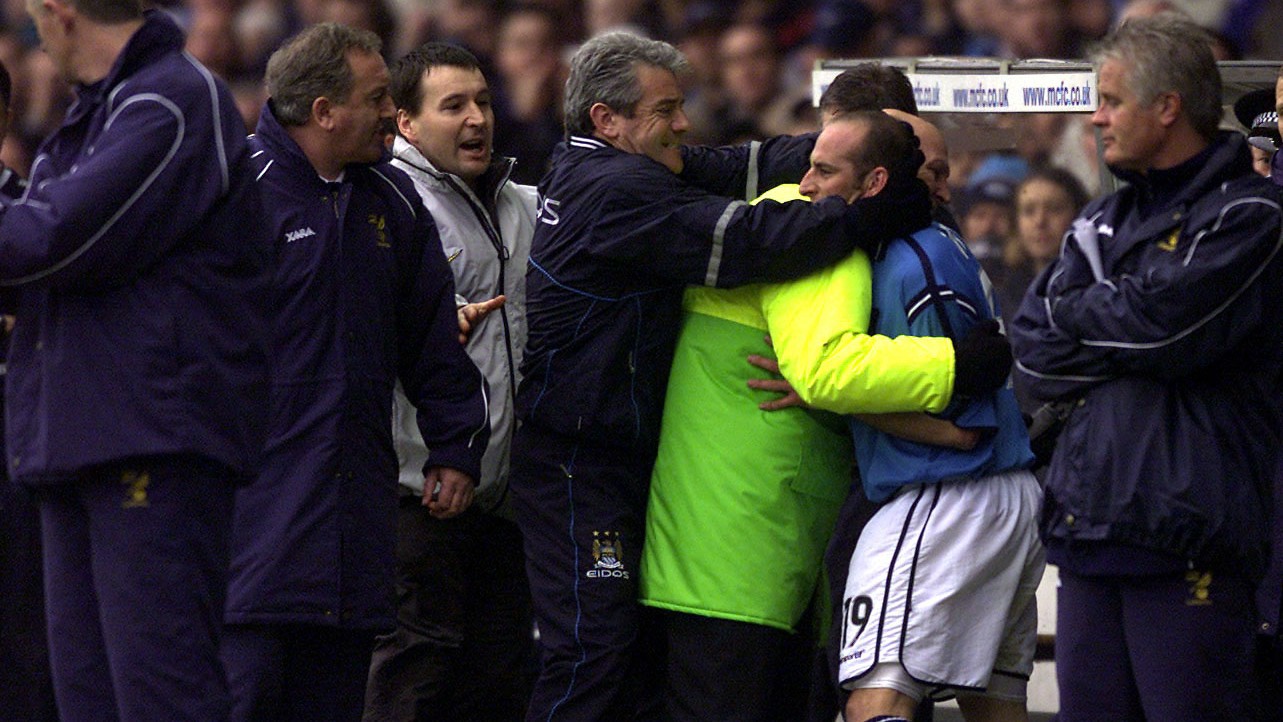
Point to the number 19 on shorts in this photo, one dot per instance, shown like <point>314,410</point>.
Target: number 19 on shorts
<point>855,617</point>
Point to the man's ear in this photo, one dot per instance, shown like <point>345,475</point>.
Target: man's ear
<point>875,181</point>
<point>323,112</point>
<point>1169,108</point>
<point>604,120</point>
<point>405,126</point>
<point>63,12</point>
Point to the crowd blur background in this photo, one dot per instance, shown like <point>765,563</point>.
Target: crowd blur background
<point>751,63</point>
<point>751,59</point>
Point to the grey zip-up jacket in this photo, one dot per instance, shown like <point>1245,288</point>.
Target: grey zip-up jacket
<point>486,241</point>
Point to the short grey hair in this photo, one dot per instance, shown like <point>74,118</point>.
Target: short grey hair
<point>604,70</point>
<point>314,65</point>
<point>1169,53</point>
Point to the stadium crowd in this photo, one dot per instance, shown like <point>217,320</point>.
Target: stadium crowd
<point>750,60</point>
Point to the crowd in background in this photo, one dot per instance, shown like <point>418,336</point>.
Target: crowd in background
<point>750,60</point>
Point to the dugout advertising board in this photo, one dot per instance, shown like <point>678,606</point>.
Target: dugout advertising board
<point>972,95</point>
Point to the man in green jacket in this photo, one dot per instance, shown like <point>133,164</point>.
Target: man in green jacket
<point>743,500</point>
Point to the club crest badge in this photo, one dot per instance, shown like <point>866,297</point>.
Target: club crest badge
<point>607,550</point>
<point>1200,588</point>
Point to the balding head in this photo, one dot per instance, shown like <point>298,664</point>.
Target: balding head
<point>857,155</point>
<point>935,170</point>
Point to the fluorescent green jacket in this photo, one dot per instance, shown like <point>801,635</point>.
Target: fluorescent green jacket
<point>743,501</point>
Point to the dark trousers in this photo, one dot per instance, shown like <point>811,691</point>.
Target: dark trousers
<point>462,649</point>
<point>1161,647</point>
<point>296,672</point>
<point>721,670</point>
<point>1269,678</point>
<point>136,574</point>
<point>26,683</point>
<point>582,513</point>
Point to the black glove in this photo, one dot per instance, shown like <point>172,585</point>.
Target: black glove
<point>901,209</point>
<point>982,360</point>
<point>907,166</point>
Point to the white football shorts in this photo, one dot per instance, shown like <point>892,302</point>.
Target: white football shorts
<point>942,585</point>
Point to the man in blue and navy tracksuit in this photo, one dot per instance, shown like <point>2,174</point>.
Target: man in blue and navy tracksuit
<point>620,234</point>
<point>137,372</point>
<point>363,298</point>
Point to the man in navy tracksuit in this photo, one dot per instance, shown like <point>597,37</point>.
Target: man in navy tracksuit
<point>363,297</point>
<point>137,371</point>
<point>1159,326</point>
<point>620,234</point>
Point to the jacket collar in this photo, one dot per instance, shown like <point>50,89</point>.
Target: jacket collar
<point>586,142</point>
<point>575,144</point>
<point>158,36</point>
<point>1224,159</point>
<point>283,149</point>
<point>492,181</point>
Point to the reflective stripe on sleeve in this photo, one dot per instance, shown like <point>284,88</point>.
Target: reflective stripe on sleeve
<point>719,233</point>
<point>750,187</point>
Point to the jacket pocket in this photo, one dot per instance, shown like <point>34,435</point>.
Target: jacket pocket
<point>824,467</point>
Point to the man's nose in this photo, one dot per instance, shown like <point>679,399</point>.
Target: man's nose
<point>807,186</point>
<point>681,123</point>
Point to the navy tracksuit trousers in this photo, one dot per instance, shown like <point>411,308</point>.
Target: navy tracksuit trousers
<point>1159,647</point>
<point>296,672</point>
<point>26,685</point>
<point>136,562</point>
<point>582,511</point>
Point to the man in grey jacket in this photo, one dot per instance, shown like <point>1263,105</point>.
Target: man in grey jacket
<point>462,647</point>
